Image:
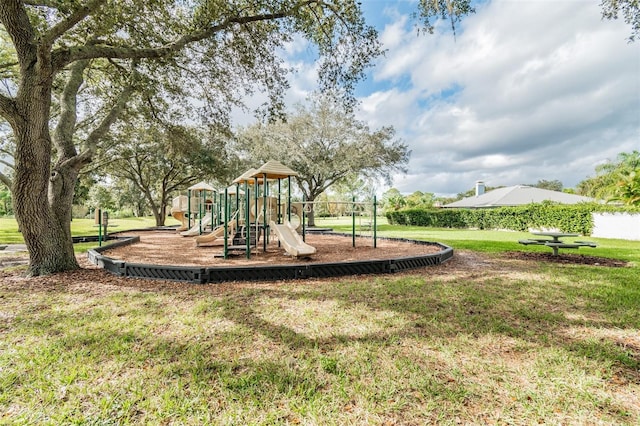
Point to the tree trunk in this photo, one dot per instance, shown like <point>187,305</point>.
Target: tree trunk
<point>163,210</point>
<point>158,214</point>
<point>311,216</point>
<point>43,214</point>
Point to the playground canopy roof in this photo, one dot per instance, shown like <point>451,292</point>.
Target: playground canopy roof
<point>201,186</point>
<point>247,177</point>
<point>274,170</point>
<point>232,190</point>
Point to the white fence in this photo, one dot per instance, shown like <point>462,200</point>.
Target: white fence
<point>624,226</point>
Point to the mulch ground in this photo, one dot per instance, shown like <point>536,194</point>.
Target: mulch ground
<point>170,248</point>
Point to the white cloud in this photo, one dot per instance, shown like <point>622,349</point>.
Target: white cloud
<point>303,80</point>
<point>527,90</point>
<point>389,107</point>
<point>533,90</point>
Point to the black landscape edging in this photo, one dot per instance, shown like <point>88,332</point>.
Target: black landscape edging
<point>219,274</point>
<point>95,238</point>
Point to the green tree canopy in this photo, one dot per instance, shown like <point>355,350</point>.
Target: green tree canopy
<point>324,143</point>
<point>420,199</point>
<point>552,185</point>
<point>615,180</point>
<point>628,9</point>
<point>160,159</point>
<point>392,199</point>
<point>101,197</point>
<point>627,189</point>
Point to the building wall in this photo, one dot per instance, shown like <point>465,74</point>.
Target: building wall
<point>624,226</point>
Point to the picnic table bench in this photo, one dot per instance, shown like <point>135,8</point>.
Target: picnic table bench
<point>555,242</point>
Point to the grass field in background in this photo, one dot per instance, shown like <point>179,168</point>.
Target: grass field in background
<point>81,227</point>
<point>485,241</point>
<point>482,340</point>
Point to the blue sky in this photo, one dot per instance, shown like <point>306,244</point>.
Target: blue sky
<point>528,90</point>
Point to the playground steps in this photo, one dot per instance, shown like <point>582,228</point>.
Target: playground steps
<point>239,239</point>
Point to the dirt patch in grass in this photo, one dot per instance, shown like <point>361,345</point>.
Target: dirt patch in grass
<point>565,258</point>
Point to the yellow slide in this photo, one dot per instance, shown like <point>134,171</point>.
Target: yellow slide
<point>195,229</point>
<point>291,240</point>
<point>179,215</point>
<point>179,207</point>
<point>216,237</point>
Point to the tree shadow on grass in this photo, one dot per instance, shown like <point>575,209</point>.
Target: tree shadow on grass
<point>537,312</point>
<point>428,306</point>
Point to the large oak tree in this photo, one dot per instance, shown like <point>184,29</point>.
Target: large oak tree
<point>325,144</point>
<point>218,50</point>
<point>58,42</point>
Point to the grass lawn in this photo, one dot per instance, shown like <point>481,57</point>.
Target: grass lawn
<point>479,340</point>
<point>486,241</point>
<point>81,227</point>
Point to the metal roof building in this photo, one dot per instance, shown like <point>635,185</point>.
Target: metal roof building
<point>516,196</point>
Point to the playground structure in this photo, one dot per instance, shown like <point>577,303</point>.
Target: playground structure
<point>217,235</point>
<point>238,218</point>
<point>256,212</point>
<point>195,210</point>
<point>198,227</point>
<point>251,211</point>
<point>179,207</point>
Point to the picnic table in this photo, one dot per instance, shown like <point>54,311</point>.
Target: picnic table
<point>555,241</point>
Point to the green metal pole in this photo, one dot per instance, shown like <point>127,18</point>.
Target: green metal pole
<point>200,213</point>
<point>226,224</point>
<point>189,208</point>
<point>265,189</point>
<point>375,230</point>
<point>99,228</point>
<point>247,215</point>
<point>219,208</point>
<point>237,206</point>
<point>215,219</point>
<point>255,208</point>
<point>353,221</point>
<point>289,198</point>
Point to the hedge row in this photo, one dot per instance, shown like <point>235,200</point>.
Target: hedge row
<point>575,218</point>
